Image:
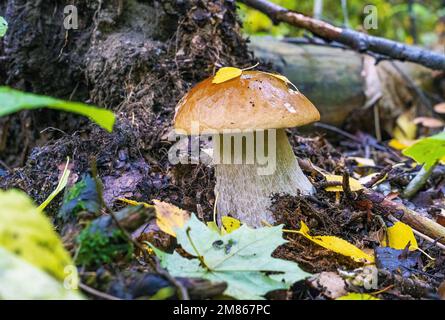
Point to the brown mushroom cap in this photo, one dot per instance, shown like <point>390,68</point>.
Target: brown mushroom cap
<point>255,100</point>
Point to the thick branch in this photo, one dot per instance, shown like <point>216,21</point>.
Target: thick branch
<point>354,39</point>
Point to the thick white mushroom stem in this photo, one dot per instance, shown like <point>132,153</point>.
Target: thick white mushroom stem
<point>245,194</point>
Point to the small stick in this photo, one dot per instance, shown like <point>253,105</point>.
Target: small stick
<point>97,293</point>
<point>346,187</point>
<point>379,176</point>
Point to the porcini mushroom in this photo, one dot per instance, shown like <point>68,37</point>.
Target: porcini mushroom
<point>255,102</point>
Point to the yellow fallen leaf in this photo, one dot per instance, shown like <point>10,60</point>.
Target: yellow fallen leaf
<point>405,127</point>
<point>282,78</point>
<point>226,74</point>
<point>357,296</point>
<point>399,235</point>
<point>135,203</point>
<point>363,162</point>
<point>336,244</point>
<point>27,232</point>
<point>354,184</point>
<point>400,144</point>
<point>230,224</point>
<point>169,217</point>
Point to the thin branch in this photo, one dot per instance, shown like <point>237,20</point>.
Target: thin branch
<point>354,39</point>
<point>97,293</point>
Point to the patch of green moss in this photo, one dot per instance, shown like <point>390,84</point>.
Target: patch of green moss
<point>82,197</point>
<point>97,247</point>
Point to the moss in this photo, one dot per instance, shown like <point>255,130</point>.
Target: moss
<point>97,247</point>
<point>82,197</point>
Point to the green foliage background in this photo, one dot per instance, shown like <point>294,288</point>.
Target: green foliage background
<point>393,18</point>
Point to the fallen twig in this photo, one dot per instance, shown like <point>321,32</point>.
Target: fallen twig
<point>379,176</point>
<point>354,39</point>
<point>97,293</point>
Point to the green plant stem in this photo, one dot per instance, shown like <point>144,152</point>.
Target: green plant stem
<point>200,258</point>
<point>418,182</point>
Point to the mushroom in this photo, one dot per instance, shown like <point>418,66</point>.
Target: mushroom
<point>259,104</point>
<point>428,122</point>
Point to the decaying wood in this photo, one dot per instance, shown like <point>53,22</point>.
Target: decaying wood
<point>340,81</point>
<point>354,39</point>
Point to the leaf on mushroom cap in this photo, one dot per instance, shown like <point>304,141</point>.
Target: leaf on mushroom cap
<point>254,100</point>
<point>226,74</point>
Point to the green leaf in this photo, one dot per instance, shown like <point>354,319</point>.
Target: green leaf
<point>21,280</point>
<point>241,259</point>
<point>428,150</point>
<point>28,233</point>
<point>60,186</point>
<point>3,26</point>
<point>13,101</point>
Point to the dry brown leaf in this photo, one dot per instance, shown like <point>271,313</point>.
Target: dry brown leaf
<point>170,217</point>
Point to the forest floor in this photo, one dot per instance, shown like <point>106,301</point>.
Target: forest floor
<point>140,70</point>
